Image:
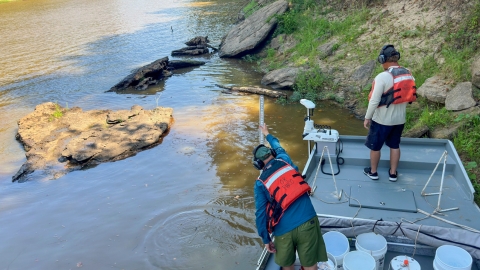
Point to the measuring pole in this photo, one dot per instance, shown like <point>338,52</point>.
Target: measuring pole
<point>260,120</point>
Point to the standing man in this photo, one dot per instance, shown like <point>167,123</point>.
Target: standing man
<point>391,91</point>
<point>283,208</point>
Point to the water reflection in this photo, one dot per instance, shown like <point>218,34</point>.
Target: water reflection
<point>189,198</point>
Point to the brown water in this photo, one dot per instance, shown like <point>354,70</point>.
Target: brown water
<point>185,204</point>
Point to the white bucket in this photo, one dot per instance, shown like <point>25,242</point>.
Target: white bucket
<point>358,260</point>
<point>337,244</point>
<point>404,262</point>
<point>332,263</point>
<point>373,244</point>
<point>448,257</point>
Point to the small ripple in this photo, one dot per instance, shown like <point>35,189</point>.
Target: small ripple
<point>187,237</point>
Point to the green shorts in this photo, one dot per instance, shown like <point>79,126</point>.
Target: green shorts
<point>306,240</point>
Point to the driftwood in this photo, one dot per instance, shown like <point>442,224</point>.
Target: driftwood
<point>255,90</point>
<point>191,50</point>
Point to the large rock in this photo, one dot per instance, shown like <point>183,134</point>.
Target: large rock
<point>362,75</point>
<point>434,89</point>
<point>247,35</point>
<point>460,97</point>
<point>281,78</point>
<point>59,140</point>
<point>327,49</point>
<point>476,72</point>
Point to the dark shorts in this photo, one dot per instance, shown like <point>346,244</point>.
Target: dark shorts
<point>379,134</point>
<point>306,240</point>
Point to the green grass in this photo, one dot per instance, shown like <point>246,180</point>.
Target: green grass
<point>57,113</point>
<point>250,8</point>
<point>312,84</point>
<point>466,142</point>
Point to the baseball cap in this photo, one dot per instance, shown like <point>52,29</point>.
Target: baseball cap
<point>262,153</point>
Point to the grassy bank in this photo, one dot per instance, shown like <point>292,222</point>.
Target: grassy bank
<point>432,42</point>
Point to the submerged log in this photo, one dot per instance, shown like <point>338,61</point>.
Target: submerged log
<point>147,75</point>
<point>255,90</point>
<point>191,50</point>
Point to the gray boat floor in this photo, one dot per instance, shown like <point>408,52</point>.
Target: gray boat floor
<point>394,201</point>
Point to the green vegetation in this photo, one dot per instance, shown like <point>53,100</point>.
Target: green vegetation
<point>57,113</point>
<point>250,8</point>
<point>466,142</point>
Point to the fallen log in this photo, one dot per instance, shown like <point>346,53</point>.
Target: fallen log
<point>255,90</point>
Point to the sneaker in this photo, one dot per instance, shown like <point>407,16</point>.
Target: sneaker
<point>367,171</point>
<point>392,177</point>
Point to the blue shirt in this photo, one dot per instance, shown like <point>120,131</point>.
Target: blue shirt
<point>299,212</point>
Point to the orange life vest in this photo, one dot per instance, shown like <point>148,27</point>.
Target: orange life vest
<point>403,89</point>
<point>285,185</point>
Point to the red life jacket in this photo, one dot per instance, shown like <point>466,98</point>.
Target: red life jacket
<point>285,185</point>
<point>403,89</point>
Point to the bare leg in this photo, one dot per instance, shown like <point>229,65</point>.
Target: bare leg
<point>291,267</point>
<point>374,159</point>
<point>394,159</point>
<point>313,267</point>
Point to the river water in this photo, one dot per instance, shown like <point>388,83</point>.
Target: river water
<point>184,204</point>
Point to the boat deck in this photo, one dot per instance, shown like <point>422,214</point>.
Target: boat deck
<point>400,202</point>
<point>395,201</point>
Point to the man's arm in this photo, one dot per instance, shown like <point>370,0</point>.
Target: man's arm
<point>275,145</point>
<point>261,201</point>
<point>378,87</point>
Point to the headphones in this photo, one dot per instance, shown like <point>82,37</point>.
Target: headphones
<point>382,58</point>
<point>258,163</point>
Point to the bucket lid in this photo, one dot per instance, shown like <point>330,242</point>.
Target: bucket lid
<point>403,261</point>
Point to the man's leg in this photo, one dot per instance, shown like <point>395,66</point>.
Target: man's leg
<point>374,159</point>
<point>291,267</point>
<point>394,159</point>
<point>313,267</point>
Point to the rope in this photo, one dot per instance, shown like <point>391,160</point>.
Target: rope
<point>416,237</point>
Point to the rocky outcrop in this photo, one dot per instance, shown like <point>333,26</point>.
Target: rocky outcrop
<point>460,97</point>
<point>476,72</point>
<point>281,78</point>
<point>327,49</point>
<point>248,34</point>
<point>417,131</point>
<point>283,43</point>
<point>59,140</point>
<point>434,89</point>
<point>362,75</point>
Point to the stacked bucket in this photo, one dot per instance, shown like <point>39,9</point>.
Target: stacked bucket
<point>371,249</point>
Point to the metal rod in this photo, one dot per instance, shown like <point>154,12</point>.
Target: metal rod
<point>431,175</point>
<point>261,118</point>
<point>441,182</point>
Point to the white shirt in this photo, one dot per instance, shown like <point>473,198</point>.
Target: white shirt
<point>395,113</point>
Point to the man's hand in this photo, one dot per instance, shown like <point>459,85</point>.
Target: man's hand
<point>367,123</point>
<point>270,247</point>
<point>264,129</point>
